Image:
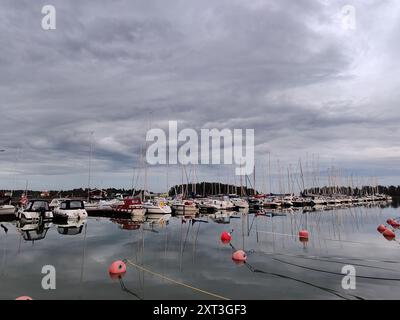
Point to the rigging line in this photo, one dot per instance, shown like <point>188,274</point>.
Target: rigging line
<point>186,237</point>
<point>174,281</point>
<point>252,269</point>
<point>336,273</point>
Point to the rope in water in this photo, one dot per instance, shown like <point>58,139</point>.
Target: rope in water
<point>174,281</point>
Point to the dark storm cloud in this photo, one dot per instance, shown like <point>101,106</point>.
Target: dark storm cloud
<point>115,68</point>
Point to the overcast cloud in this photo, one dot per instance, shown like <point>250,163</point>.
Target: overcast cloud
<point>288,69</point>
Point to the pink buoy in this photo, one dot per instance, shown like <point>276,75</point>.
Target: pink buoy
<point>226,237</point>
<point>239,256</point>
<point>24,298</point>
<point>117,268</point>
<point>303,234</point>
<point>390,221</point>
<point>381,228</point>
<point>395,224</point>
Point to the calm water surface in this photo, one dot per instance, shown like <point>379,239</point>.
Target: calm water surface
<point>279,265</point>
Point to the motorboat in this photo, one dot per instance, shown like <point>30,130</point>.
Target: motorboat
<point>271,202</point>
<point>111,204</point>
<point>131,206</point>
<point>287,201</point>
<point>318,201</point>
<point>157,207</point>
<point>7,209</point>
<point>184,206</point>
<point>35,210</point>
<point>239,203</point>
<point>70,209</point>
<point>220,204</point>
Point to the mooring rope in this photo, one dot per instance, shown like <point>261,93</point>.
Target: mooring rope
<point>327,239</point>
<point>174,281</point>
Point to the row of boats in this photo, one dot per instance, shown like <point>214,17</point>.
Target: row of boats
<point>65,208</point>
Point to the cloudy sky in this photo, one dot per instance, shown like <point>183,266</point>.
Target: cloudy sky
<point>310,87</point>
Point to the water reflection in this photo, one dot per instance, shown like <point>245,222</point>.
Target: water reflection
<point>71,227</point>
<point>33,231</point>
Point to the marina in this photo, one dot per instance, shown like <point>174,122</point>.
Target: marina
<point>170,252</point>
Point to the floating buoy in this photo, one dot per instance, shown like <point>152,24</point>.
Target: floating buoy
<point>24,298</point>
<point>395,224</point>
<point>117,268</point>
<point>390,221</point>
<point>389,234</point>
<point>381,228</point>
<point>239,256</point>
<point>303,234</point>
<point>226,237</point>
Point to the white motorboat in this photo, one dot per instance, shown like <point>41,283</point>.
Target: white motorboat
<point>157,207</point>
<point>111,204</point>
<point>7,209</point>
<point>239,203</point>
<point>318,201</point>
<point>70,209</point>
<point>35,210</point>
<point>271,202</point>
<point>219,204</point>
<point>184,206</point>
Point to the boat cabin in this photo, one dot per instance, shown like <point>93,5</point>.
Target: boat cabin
<point>72,205</point>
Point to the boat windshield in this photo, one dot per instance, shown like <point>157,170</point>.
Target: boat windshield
<point>72,205</point>
<point>76,205</point>
<point>38,205</point>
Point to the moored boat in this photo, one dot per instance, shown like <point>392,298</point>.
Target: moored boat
<point>70,209</point>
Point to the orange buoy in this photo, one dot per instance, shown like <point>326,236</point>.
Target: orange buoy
<point>239,256</point>
<point>389,234</point>
<point>303,234</point>
<point>24,298</point>
<point>117,268</point>
<point>381,228</point>
<point>226,237</point>
<point>390,221</point>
